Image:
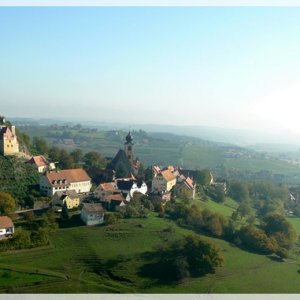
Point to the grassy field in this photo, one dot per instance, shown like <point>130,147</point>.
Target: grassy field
<point>108,259</point>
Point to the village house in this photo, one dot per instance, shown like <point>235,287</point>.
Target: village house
<point>69,197</point>
<point>163,181</point>
<point>41,163</point>
<point>8,139</point>
<point>72,179</point>
<point>119,192</point>
<point>92,214</point>
<point>6,226</point>
<point>186,186</point>
<point>114,201</point>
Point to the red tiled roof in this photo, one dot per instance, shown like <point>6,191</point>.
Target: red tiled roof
<point>39,161</point>
<point>190,182</point>
<point>108,186</point>
<point>156,169</point>
<point>70,176</point>
<point>168,175</point>
<point>115,197</point>
<point>6,222</point>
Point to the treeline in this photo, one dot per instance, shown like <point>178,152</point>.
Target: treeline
<point>274,234</point>
<point>63,158</point>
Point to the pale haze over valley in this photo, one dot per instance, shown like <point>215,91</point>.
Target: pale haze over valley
<point>222,67</point>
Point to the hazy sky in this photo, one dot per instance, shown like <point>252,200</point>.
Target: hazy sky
<point>219,66</point>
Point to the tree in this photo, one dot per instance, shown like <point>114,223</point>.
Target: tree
<point>7,203</point>
<point>280,229</point>
<point>65,160</point>
<point>185,257</point>
<point>203,177</point>
<point>65,212</point>
<point>40,145</point>
<point>76,155</point>
<point>54,153</point>
<point>244,209</point>
<point>95,159</point>
<point>29,216</point>
<point>239,191</point>
<point>220,194</point>
<point>256,239</point>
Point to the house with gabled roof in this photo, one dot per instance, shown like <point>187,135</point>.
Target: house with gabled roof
<point>163,181</point>
<point>41,163</point>
<point>92,214</point>
<point>186,185</point>
<point>63,180</point>
<point>6,226</point>
<point>69,197</point>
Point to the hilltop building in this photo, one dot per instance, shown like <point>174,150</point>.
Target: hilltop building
<point>72,179</point>
<point>8,139</point>
<point>125,163</point>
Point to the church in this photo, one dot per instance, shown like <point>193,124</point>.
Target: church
<point>125,162</point>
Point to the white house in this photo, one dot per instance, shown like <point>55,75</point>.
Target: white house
<point>130,186</point>
<point>6,226</point>
<point>72,179</point>
<point>92,214</point>
<point>41,163</point>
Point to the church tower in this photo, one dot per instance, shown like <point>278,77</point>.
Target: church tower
<point>129,148</point>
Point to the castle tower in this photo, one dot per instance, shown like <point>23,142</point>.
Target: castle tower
<point>129,148</point>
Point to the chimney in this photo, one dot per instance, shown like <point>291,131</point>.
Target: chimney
<point>13,130</point>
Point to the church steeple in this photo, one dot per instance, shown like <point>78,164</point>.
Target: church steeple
<point>129,148</point>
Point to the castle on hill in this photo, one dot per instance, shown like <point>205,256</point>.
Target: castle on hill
<point>8,139</point>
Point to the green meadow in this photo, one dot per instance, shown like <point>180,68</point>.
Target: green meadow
<point>109,259</point>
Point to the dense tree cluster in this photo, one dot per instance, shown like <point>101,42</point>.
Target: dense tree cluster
<point>187,257</point>
<point>204,220</point>
<point>18,179</point>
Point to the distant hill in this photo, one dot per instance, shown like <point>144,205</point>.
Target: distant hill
<point>164,148</point>
<point>242,137</point>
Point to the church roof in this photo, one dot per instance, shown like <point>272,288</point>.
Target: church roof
<point>121,161</point>
<point>129,138</point>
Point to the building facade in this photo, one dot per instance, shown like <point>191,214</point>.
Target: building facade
<point>92,214</point>
<point>8,140</point>
<point>72,179</point>
<point>163,181</point>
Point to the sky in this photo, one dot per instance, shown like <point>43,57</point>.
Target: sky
<point>232,67</point>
